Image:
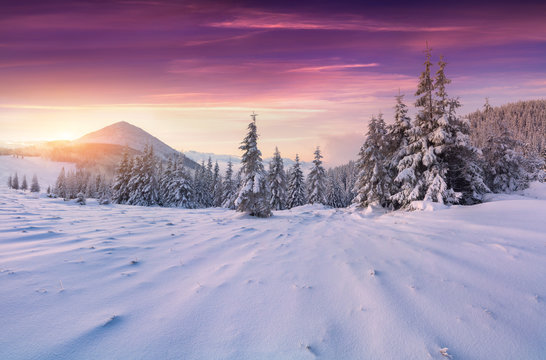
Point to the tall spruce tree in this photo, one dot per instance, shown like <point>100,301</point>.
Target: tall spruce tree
<point>253,194</point>
<point>396,142</point>
<point>199,185</point>
<point>316,181</point>
<point>144,189</point>
<point>217,191</point>
<point>104,192</point>
<point>296,186</point>
<point>179,187</point>
<point>15,182</point>
<point>208,185</point>
<point>334,192</point>
<point>230,188</point>
<point>35,186</point>
<point>121,189</point>
<point>277,182</point>
<point>422,172</point>
<point>60,185</point>
<point>464,176</point>
<point>10,185</point>
<point>504,163</point>
<point>24,184</point>
<point>165,180</point>
<point>372,184</point>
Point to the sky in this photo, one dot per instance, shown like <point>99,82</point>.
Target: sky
<point>191,72</point>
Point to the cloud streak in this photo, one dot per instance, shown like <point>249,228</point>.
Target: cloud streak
<point>334,67</point>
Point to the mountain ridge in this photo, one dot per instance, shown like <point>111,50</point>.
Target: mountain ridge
<point>126,134</point>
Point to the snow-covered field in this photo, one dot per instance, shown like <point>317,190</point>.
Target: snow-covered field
<point>121,282</point>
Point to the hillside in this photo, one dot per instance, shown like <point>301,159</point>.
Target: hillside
<point>46,170</point>
<point>125,134</point>
<point>525,119</point>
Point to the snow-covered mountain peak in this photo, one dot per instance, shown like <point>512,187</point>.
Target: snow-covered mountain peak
<point>126,134</point>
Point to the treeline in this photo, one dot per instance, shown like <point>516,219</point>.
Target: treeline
<point>13,183</point>
<point>81,184</point>
<point>147,181</point>
<point>525,120</point>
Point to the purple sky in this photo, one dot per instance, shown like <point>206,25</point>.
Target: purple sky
<point>191,72</point>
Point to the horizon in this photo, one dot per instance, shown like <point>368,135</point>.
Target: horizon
<point>191,74</point>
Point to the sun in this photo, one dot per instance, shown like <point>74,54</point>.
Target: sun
<point>65,135</point>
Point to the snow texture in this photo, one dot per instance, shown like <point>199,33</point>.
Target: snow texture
<point>127,282</point>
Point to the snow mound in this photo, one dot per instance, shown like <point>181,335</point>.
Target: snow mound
<point>536,190</point>
<point>426,206</point>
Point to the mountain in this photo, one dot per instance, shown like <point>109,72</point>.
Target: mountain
<point>125,134</point>
<point>103,149</point>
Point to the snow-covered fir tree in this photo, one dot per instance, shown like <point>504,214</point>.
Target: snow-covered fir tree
<point>180,187</point>
<point>198,185</point>
<point>253,193</point>
<point>104,193</point>
<point>435,125</point>
<point>91,189</point>
<point>396,143</point>
<point>464,171</point>
<point>217,190</point>
<point>334,191</point>
<point>208,184</point>
<point>10,186</point>
<point>296,186</point>
<point>121,189</point>
<point>316,181</point>
<point>422,172</point>
<point>15,182</point>
<point>80,198</point>
<point>345,176</point>
<point>71,186</point>
<point>60,185</point>
<point>373,182</point>
<point>165,179</point>
<point>230,188</point>
<point>277,182</point>
<point>504,164</point>
<point>34,186</point>
<point>144,183</point>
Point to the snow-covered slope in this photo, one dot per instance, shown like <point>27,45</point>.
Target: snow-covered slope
<point>125,134</point>
<point>46,170</point>
<point>121,282</point>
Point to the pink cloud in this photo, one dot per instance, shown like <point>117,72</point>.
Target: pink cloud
<point>334,67</point>
<point>252,19</point>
